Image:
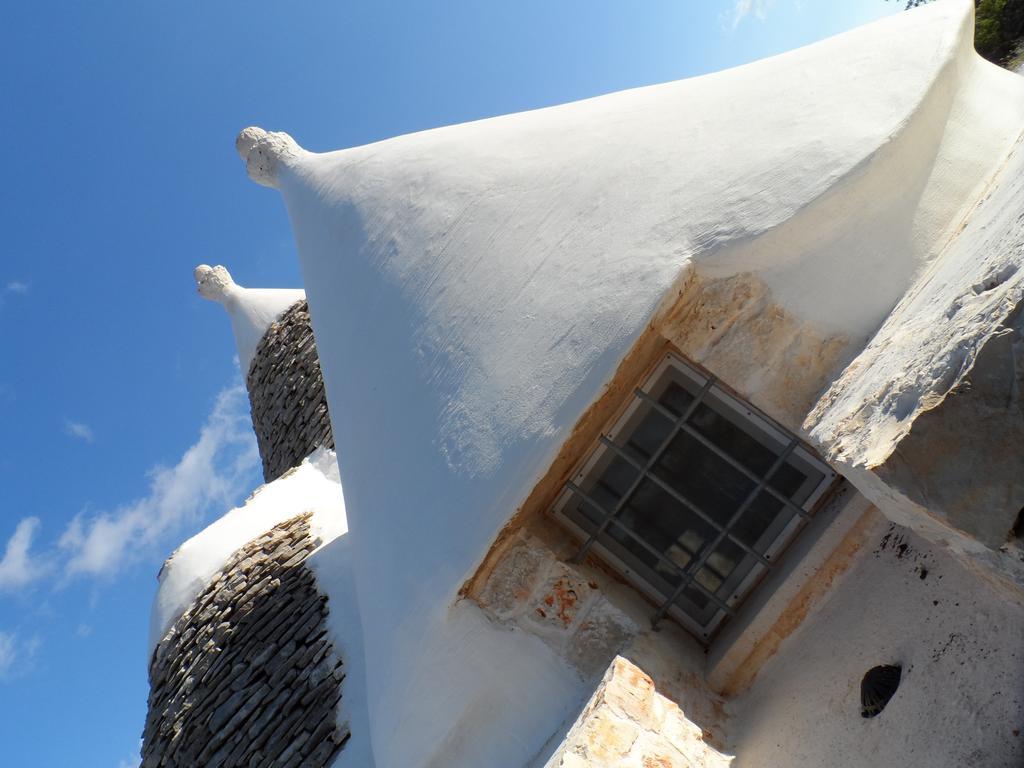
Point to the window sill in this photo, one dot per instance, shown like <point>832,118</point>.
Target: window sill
<point>780,605</point>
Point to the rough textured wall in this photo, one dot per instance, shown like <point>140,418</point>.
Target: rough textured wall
<point>532,589</point>
<point>627,722</point>
<point>960,701</point>
<point>247,676</point>
<point>734,328</point>
<point>286,392</point>
<point>601,626</point>
<point>928,420</point>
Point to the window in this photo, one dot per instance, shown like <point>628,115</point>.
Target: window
<point>693,495</point>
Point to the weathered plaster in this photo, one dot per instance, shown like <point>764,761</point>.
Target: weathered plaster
<point>587,616</point>
<point>902,601</point>
<point>264,152</point>
<point>614,397</point>
<point>535,590</point>
<point>928,420</point>
<point>737,678</point>
<point>734,328</point>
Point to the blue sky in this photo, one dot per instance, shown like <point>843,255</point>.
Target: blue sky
<point>124,426</point>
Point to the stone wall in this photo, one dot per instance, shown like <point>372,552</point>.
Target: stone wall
<point>538,592</point>
<point>247,676</point>
<point>286,393</point>
<point>601,626</point>
<point>628,724</point>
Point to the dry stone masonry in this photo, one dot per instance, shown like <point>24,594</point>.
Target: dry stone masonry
<point>247,676</point>
<point>286,393</point>
<point>532,589</point>
<point>627,722</point>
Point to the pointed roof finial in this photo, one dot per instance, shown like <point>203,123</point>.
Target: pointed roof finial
<point>263,151</point>
<point>214,283</point>
<point>251,310</point>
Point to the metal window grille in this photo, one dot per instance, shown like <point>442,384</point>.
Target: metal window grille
<point>693,495</point>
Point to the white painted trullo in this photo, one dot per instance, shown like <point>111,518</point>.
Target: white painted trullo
<point>837,235</point>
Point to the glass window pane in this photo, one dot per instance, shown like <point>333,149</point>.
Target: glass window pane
<point>757,527</point>
<point>609,482</point>
<point>709,579</point>
<point>660,539</point>
<point>723,561</point>
<point>662,575</point>
<point>709,482</point>
<point>696,597</point>
<point>796,479</point>
<point>665,524</point>
<point>787,480</point>
<point>645,435</point>
<point>714,420</point>
<point>582,512</point>
<point>697,605</point>
<point>609,477</point>
<point>676,399</point>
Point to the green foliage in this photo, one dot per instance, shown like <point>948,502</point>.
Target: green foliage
<point>988,28</point>
<point>998,26</point>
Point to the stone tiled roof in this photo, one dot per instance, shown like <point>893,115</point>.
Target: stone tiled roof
<point>248,676</point>
<point>286,392</point>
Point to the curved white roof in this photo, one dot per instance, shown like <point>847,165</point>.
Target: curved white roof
<point>251,310</point>
<point>473,288</point>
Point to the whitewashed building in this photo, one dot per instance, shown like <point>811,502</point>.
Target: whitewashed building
<point>681,426</point>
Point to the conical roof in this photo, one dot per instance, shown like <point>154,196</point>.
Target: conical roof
<point>278,353</point>
<point>251,310</point>
<point>475,287</point>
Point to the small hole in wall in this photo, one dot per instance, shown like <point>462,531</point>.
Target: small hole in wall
<point>1017,531</point>
<point>877,687</point>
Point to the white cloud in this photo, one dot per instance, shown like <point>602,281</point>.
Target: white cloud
<point>79,430</point>
<point>17,286</point>
<point>741,9</point>
<point>8,653</point>
<point>213,472</point>
<point>131,762</point>
<point>18,568</point>
<point>16,655</point>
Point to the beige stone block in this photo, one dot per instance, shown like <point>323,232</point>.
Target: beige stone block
<point>515,578</point>
<point>656,752</point>
<point>598,638</point>
<point>573,760</point>
<point>607,739</point>
<point>564,597</point>
<point>629,691</point>
<point>677,729</point>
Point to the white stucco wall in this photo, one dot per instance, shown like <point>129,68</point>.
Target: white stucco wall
<point>958,637</point>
